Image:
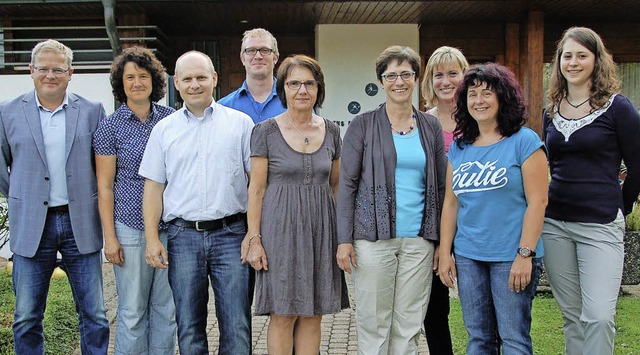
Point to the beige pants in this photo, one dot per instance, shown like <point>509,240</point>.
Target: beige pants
<point>392,284</point>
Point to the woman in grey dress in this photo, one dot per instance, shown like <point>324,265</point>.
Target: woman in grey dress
<point>291,239</point>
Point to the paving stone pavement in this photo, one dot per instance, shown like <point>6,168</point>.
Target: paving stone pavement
<point>338,330</point>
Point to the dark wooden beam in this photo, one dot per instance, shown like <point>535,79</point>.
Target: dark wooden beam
<point>533,69</point>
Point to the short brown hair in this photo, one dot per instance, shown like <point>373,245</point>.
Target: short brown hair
<point>400,54</point>
<point>300,60</point>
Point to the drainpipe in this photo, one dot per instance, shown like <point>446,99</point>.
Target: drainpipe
<point>110,23</point>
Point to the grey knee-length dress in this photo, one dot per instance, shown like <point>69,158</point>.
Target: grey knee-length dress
<point>298,227</point>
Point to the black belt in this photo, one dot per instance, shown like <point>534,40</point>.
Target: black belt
<point>59,209</point>
<point>202,226</point>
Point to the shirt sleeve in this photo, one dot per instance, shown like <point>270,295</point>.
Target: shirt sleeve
<point>528,144</point>
<point>246,142</point>
<point>259,146</point>
<point>152,165</point>
<point>337,140</point>
<point>104,138</point>
<point>350,175</point>
<point>627,123</point>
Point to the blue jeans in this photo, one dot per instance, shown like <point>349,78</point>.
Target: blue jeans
<point>146,322</point>
<point>31,279</point>
<point>194,258</point>
<point>493,315</point>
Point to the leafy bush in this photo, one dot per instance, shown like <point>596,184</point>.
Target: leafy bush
<point>633,218</point>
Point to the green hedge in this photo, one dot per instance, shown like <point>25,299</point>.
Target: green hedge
<point>60,319</point>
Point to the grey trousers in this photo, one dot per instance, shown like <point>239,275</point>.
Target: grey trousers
<point>584,264</point>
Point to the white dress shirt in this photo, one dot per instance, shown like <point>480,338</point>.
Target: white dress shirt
<point>203,162</point>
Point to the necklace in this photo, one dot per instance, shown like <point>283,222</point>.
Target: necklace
<point>402,133</point>
<point>306,138</point>
<point>575,106</point>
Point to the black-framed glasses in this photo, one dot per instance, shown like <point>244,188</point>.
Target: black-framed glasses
<point>45,70</point>
<point>296,84</point>
<point>391,77</point>
<point>253,51</point>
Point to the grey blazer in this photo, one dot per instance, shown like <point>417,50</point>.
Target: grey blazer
<point>366,207</point>
<point>24,176</point>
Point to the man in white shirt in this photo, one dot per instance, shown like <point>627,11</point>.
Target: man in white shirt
<point>196,166</point>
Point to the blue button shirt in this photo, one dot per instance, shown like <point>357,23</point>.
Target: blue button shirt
<point>124,135</point>
<point>242,100</point>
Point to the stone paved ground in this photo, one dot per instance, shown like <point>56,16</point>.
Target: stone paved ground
<point>338,330</point>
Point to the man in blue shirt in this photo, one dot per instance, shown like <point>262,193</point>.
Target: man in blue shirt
<point>257,96</point>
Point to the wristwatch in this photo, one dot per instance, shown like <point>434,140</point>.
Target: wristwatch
<point>525,252</point>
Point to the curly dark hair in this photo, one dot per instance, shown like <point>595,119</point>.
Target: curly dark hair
<point>512,109</point>
<point>604,78</point>
<point>144,59</point>
<point>300,60</point>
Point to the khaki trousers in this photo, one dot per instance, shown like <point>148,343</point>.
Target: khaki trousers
<point>392,284</point>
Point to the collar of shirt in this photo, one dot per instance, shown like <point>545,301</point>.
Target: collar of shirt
<point>63,105</point>
<point>125,110</point>
<point>208,112</point>
<point>245,90</point>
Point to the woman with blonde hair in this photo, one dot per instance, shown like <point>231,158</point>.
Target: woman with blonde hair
<point>443,72</point>
<point>588,129</point>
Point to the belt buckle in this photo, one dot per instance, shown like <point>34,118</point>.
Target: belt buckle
<point>198,227</point>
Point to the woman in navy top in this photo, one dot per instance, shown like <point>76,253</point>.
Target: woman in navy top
<point>146,312</point>
<point>588,128</point>
<point>493,212</point>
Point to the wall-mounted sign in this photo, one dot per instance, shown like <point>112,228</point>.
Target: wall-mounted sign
<point>353,107</point>
<point>371,89</point>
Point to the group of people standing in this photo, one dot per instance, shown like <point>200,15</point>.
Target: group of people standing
<point>258,189</point>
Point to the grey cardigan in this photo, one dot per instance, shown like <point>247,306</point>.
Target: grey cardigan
<point>366,206</point>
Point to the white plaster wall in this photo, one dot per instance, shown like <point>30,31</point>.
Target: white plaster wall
<point>347,54</point>
<point>94,87</point>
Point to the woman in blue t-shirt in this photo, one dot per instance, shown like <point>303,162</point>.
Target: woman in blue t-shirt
<point>493,212</point>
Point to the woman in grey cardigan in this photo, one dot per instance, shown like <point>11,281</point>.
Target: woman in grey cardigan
<point>389,201</point>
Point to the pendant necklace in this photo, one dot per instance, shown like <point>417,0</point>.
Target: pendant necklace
<point>306,138</point>
<point>575,106</point>
<point>402,133</point>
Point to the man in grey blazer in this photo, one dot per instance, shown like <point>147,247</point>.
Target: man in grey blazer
<point>47,173</point>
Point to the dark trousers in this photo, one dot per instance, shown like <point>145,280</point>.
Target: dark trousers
<point>436,322</point>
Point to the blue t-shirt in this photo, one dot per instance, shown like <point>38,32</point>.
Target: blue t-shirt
<point>242,100</point>
<point>411,163</point>
<point>487,180</point>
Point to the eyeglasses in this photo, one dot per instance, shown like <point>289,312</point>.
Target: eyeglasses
<point>296,84</point>
<point>391,77</point>
<point>253,51</point>
<point>45,71</point>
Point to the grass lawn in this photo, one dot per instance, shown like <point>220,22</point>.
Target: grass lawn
<point>546,327</point>
<point>60,319</point>
<point>61,322</point>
